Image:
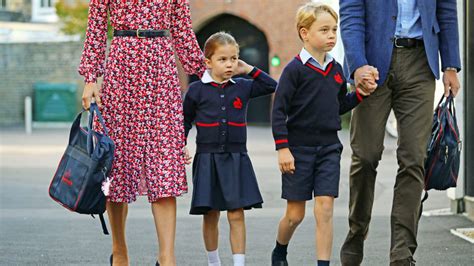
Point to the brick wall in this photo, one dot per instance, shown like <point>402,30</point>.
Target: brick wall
<point>275,18</point>
<point>23,64</point>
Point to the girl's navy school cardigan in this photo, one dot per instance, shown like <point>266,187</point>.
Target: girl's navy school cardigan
<point>219,111</point>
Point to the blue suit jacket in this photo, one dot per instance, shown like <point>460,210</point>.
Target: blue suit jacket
<point>368,28</point>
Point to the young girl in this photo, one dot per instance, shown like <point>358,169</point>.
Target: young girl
<point>311,95</point>
<point>223,177</point>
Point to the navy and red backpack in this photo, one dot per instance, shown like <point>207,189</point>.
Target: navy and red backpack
<point>444,148</point>
<point>85,165</point>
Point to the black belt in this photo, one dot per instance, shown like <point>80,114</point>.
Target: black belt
<point>407,42</point>
<point>142,33</point>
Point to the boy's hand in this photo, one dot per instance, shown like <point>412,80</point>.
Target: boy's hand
<point>286,161</point>
<point>243,68</point>
<point>362,91</point>
<point>187,157</point>
<point>365,78</point>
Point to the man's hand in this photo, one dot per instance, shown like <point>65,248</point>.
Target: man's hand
<point>365,77</point>
<point>451,82</point>
<point>187,158</point>
<point>286,161</point>
<point>243,68</point>
<point>90,92</point>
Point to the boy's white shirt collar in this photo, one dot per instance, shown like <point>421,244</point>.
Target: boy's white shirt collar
<point>306,56</point>
<point>207,78</point>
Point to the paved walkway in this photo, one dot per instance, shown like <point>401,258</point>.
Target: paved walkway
<point>34,230</point>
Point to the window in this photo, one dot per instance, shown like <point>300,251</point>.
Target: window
<point>43,11</point>
<point>46,3</point>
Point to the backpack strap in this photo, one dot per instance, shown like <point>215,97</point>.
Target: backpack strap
<point>102,222</point>
<point>425,197</point>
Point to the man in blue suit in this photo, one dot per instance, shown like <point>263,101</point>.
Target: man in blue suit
<point>395,46</point>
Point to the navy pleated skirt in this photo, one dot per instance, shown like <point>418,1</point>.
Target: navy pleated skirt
<point>224,181</point>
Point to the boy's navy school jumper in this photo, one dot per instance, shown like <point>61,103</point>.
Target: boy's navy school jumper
<point>306,117</point>
<point>223,176</point>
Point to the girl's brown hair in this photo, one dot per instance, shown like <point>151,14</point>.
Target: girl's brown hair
<point>216,40</point>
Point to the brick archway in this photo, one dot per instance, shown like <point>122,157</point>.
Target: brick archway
<point>248,35</point>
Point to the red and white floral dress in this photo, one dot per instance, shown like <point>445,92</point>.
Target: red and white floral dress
<point>141,96</point>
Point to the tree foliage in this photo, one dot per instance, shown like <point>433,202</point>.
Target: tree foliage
<point>73,16</point>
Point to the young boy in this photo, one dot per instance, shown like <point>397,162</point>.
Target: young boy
<point>310,97</point>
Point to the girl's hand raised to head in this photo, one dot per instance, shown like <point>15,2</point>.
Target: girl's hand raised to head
<point>286,161</point>
<point>243,68</point>
<point>90,92</point>
<point>187,157</point>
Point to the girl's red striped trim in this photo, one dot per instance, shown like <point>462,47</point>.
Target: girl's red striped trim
<point>257,73</point>
<point>199,124</point>
<point>236,124</point>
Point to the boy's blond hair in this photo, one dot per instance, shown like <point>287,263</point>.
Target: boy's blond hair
<point>308,13</point>
<point>217,39</point>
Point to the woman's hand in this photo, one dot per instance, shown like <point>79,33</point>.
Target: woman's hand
<point>90,92</point>
<point>286,161</point>
<point>187,157</point>
<point>243,68</point>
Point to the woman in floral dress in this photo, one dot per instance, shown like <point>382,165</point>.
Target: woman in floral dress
<point>141,102</point>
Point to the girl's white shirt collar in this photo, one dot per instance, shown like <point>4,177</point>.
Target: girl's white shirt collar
<point>207,78</point>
